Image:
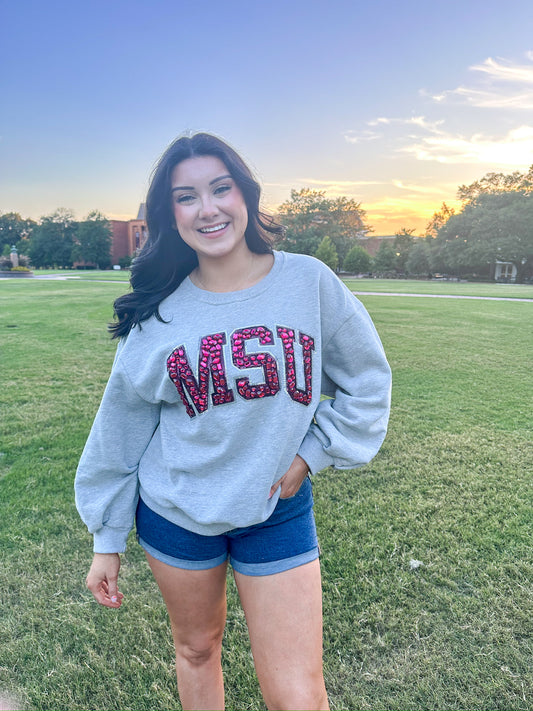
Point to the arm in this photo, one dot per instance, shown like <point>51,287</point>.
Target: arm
<point>348,429</point>
<point>106,480</point>
<point>106,483</point>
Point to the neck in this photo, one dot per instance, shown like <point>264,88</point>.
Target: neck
<point>233,274</point>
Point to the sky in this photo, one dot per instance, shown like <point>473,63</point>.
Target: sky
<point>394,104</point>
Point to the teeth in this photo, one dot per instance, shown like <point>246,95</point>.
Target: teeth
<point>215,228</point>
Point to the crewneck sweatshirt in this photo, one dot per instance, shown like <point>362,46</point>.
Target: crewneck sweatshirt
<point>205,410</point>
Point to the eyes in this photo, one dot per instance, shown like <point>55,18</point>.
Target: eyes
<point>183,199</point>
<point>188,198</point>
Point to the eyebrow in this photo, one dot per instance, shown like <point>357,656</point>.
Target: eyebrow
<point>212,182</point>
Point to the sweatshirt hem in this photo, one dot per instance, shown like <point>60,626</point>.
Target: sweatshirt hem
<point>178,517</point>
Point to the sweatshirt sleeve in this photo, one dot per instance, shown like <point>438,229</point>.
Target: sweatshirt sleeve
<point>349,428</point>
<point>106,486</point>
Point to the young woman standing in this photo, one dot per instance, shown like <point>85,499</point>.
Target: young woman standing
<point>212,422</point>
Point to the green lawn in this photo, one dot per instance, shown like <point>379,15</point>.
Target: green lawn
<point>400,286</point>
<point>451,488</point>
<point>86,274</point>
<point>451,288</point>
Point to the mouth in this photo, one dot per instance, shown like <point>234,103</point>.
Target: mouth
<point>215,228</point>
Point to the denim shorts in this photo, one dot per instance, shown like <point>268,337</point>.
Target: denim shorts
<point>285,540</point>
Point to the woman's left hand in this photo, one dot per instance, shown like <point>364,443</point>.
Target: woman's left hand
<point>292,480</point>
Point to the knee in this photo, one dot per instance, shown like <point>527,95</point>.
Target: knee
<point>199,650</point>
<point>308,695</point>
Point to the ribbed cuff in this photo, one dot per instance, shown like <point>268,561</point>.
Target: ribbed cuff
<point>110,540</point>
<point>312,451</point>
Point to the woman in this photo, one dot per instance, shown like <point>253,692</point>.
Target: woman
<point>212,421</point>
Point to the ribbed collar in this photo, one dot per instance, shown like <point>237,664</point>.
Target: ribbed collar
<point>228,297</point>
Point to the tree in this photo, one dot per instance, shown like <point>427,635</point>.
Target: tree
<point>493,226</point>
<point>497,183</point>
<point>51,242</point>
<point>309,216</point>
<point>93,241</point>
<point>419,260</point>
<point>439,219</point>
<point>327,253</point>
<point>13,230</point>
<point>357,261</point>
<point>402,245</point>
<point>385,259</point>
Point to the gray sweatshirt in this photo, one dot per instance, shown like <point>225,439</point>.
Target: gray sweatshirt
<point>203,413</point>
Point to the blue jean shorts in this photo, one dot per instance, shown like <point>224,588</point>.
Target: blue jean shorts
<point>285,540</point>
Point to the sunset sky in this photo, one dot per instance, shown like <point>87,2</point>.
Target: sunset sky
<point>394,104</point>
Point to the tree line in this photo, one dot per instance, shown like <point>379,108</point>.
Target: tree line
<point>57,240</point>
<point>494,224</point>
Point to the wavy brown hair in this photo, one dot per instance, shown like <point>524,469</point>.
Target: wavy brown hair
<point>165,259</point>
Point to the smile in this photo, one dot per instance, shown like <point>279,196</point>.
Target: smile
<point>216,228</point>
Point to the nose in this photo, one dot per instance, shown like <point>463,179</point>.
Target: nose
<point>208,208</point>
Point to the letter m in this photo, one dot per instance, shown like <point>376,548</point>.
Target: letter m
<point>194,392</point>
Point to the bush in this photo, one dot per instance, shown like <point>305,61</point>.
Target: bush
<point>6,265</point>
<point>357,261</point>
<point>125,262</point>
<point>327,253</point>
<point>24,261</point>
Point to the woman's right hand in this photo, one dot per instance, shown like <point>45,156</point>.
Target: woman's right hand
<point>102,579</point>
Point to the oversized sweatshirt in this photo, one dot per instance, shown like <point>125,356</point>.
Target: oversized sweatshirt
<point>205,410</point>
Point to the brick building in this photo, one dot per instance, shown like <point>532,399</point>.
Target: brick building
<point>372,243</point>
<point>128,235</point>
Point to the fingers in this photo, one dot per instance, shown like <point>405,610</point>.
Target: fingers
<point>102,595</point>
<point>289,489</point>
<point>291,481</point>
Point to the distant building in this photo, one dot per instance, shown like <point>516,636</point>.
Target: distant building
<point>372,243</point>
<point>505,271</point>
<point>127,236</point>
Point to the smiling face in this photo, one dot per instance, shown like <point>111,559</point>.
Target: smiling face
<point>208,207</point>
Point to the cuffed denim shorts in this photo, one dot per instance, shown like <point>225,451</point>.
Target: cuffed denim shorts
<point>285,540</point>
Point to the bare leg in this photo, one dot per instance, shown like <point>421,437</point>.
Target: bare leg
<point>284,616</point>
<point>196,604</point>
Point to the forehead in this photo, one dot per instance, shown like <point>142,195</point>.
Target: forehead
<point>197,171</point>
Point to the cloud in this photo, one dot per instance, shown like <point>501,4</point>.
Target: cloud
<point>341,184</point>
<point>423,189</point>
<point>515,149</point>
<point>430,141</point>
<point>502,69</point>
<point>420,121</point>
<point>415,121</point>
<point>380,120</point>
<point>503,85</point>
<point>362,136</point>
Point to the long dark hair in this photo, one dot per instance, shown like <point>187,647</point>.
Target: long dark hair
<point>165,260</point>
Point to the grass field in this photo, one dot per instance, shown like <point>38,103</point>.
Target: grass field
<point>402,286</point>
<point>451,488</point>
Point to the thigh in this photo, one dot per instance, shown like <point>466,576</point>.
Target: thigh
<point>284,617</point>
<point>195,600</point>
